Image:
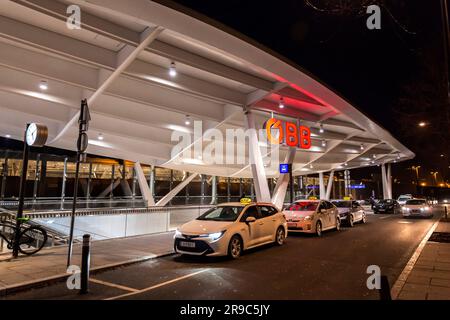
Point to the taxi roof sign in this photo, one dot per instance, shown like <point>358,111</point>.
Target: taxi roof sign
<point>245,201</point>
<point>312,198</point>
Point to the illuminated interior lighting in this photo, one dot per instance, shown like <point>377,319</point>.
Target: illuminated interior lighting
<point>100,137</point>
<point>43,85</point>
<point>173,69</point>
<point>281,104</point>
<point>187,121</point>
<point>321,130</point>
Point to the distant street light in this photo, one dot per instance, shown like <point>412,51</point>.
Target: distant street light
<point>422,124</point>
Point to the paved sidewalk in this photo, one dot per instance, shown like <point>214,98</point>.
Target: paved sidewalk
<point>51,263</point>
<point>429,278</point>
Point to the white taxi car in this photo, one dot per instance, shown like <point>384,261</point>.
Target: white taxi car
<point>417,208</point>
<point>231,228</point>
<point>312,216</point>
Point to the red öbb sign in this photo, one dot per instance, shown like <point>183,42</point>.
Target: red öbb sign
<point>288,133</point>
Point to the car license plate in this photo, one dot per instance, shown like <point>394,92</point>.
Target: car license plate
<point>292,224</point>
<point>381,209</point>
<point>415,211</point>
<point>187,244</point>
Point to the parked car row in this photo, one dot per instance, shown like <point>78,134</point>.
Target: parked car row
<point>231,228</point>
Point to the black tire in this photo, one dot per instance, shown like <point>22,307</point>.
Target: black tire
<point>280,236</point>
<point>235,247</point>
<point>318,229</point>
<point>363,220</point>
<point>32,240</point>
<point>338,224</point>
<point>351,221</point>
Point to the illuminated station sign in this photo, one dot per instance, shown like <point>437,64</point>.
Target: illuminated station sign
<point>288,133</point>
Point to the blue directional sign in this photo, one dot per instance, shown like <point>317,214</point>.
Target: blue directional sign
<point>358,186</point>
<point>284,168</point>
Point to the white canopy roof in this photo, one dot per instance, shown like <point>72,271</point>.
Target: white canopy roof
<point>119,60</point>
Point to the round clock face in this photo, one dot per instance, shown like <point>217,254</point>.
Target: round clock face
<point>31,135</point>
<point>36,135</point>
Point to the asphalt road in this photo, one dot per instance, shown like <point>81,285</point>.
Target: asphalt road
<point>306,267</point>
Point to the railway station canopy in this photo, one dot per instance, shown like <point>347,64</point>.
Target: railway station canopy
<point>149,70</point>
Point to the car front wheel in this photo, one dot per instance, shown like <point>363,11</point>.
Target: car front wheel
<point>363,220</point>
<point>280,236</point>
<point>351,221</point>
<point>235,247</point>
<point>338,224</point>
<point>319,229</point>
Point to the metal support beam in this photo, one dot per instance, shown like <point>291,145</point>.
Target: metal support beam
<point>283,181</point>
<point>64,180</point>
<point>124,59</point>
<point>321,186</point>
<point>256,161</point>
<point>168,197</point>
<point>214,190</point>
<point>384,181</point>
<point>330,185</point>
<point>147,193</point>
<point>151,182</point>
<point>389,181</point>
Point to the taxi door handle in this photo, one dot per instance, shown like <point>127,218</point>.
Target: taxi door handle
<point>261,223</point>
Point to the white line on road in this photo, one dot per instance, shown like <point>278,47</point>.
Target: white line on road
<point>109,284</point>
<point>386,217</point>
<point>158,285</point>
<point>398,286</point>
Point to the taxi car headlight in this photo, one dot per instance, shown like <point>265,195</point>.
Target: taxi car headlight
<point>177,234</point>
<point>425,209</point>
<point>405,209</point>
<point>213,236</point>
<point>308,218</point>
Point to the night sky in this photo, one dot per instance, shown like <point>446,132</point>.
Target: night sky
<point>395,75</point>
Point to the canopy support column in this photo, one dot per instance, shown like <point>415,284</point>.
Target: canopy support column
<point>283,181</point>
<point>256,161</point>
<point>321,186</point>
<point>143,186</point>
<point>330,185</point>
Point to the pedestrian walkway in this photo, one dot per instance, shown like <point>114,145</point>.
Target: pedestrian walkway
<point>50,264</point>
<point>429,277</point>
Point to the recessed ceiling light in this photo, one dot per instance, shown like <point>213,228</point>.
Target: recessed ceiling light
<point>324,143</point>
<point>173,69</point>
<point>281,104</point>
<point>187,121</point>
<point>43,85</point>
<point>321,130</point>
<point>361,147</point>
<point>100,137</point>
<point>8,136</point>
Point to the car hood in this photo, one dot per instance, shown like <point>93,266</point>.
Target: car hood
<point>343,210</point>
<point>198,227</point>
<point>297,214</point>
<point>415,206</point>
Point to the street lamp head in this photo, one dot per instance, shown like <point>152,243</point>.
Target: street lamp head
<point>422,124</point>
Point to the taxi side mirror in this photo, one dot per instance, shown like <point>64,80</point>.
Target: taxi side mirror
<point>323,210</point>
<point>250,219</point>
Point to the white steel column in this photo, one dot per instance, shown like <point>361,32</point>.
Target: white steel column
<point>330,185</point>
<point>214,190</point>
<point>143,186</point>
<point>384,181</point>
<point>166,199</point>
<point>256,161</point>
<point>279,193</point>
<point>389,181</point>
<point>321,186</point>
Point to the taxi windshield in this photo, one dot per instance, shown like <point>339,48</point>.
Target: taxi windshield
<point>225,213</point>
<point>303,206</point>
<point>342,204</point>
<point>416,202</point>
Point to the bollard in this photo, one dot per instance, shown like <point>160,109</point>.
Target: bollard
<point>85,263</point>
<point>385,291</point>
